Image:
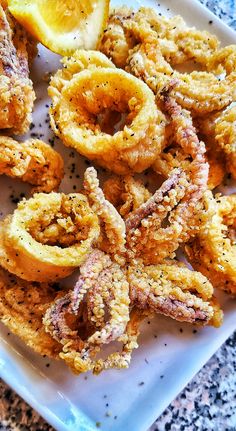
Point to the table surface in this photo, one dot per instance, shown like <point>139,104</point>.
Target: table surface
<point>207,403</point>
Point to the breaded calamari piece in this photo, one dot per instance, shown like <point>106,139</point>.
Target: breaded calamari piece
<point>175,291</point>
<point>22,306</point>
<point>16,89</point>
<point>213,251</point>
<point>125,193</point>
<point>32,161</point>
<point>113,241</point>
<point>225,135</point>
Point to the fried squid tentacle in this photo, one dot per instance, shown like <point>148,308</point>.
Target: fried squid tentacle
<point>32,161</point>
<point>111,221</point>
<point>54,320</point>
<point>178,43</point>
<point>186,137</point>
<point>175,291</point>
<point>143,225</point>
<point>107,291</point>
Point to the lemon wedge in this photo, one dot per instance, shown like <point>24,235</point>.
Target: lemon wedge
<point>62,25</point>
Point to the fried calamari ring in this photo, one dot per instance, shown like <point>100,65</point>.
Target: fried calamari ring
<point>178,43</point>
<point>107,291</point>
<point>32,161</point>
<point>93,94</point>
<point>225,135</point>
<point>200,92</point>
<point>175,291</point>
<point>48,236</point>
<point>22,306</point>
<point>113,241</point>
<point>148,45</point>
<point>212,252</point>
<point>125,193</point>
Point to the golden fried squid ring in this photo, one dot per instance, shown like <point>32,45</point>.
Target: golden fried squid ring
<point>22,306</point>
<point>178,43</point>
<point>107,291</point>
<point>175,291</point>
<point>125,193</point>
<point>48,236</point>
<point>200,92</point>
<point>147,46</point>
<point>32,161</point>
<point>178,200</point>
<point>225,135</point>
<point>212,252</point>
<point>97,99</point>
<point>113,241</point>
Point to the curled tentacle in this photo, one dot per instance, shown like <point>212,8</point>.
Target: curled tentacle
<point>103,286</point>
<point>114,226</point>
<point>175,291</point>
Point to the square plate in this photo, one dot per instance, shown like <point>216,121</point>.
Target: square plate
<point>170,353</point>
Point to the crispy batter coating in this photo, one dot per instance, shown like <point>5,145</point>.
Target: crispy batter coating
<point>223,60</point>
<point>213,250</point>
<point>113,232</point>
<point>33,161</point>
<point>108,295</point>
<point>126,194</point>
<point>16,89</point>
<point>22,306</point>
<point>48,236</point>
<point>175,291</point>
<point>225,135</point>
<point>108,116</point>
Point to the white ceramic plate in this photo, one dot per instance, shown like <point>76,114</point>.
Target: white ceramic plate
<point>170,353</point>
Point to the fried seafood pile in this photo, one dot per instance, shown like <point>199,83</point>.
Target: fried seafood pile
<point>129,109</point>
